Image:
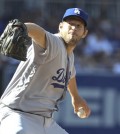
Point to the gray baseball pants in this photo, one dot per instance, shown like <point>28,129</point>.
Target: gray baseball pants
<point>12,122</point>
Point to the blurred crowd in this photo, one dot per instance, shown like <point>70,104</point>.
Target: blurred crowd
<point>99,52</point>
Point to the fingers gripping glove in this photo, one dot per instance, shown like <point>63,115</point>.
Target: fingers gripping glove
<point>14,41</point>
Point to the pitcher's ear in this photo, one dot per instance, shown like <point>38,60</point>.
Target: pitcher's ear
<point>60,25</point>
<point>85,33</point>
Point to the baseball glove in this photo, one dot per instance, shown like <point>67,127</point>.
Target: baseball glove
<point>15,41</point>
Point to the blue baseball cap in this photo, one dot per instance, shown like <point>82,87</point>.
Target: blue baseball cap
<point>76,12</point>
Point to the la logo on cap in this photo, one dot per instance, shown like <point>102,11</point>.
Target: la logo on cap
<point>77,11</point>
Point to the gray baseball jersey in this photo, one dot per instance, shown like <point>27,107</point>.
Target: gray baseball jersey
<point>38,83</point>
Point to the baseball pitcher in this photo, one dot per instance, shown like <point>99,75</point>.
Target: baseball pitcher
<point>46,72</point>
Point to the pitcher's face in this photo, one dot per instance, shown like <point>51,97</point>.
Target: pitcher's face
<point>72,30</point>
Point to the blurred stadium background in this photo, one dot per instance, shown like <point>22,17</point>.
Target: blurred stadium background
<point>97,58</point>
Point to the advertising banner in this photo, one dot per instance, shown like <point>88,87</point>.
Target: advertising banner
<point>102,92</point>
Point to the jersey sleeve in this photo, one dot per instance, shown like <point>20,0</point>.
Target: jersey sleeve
<point>73,73</point>
<point>72,68</point>
<point>52,49</point>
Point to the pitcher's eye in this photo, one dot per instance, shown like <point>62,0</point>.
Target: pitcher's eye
<point>78,26</point>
